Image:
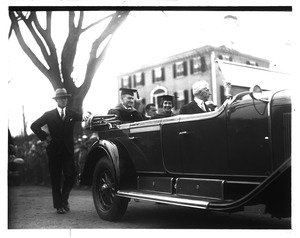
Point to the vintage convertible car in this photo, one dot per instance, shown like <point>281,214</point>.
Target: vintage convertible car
<point>236,156</point>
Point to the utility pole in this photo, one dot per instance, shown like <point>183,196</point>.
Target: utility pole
<point>24,123</point>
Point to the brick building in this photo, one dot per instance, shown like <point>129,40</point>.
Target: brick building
<point>176,74</point>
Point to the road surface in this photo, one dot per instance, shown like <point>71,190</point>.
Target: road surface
<point>30,207</point>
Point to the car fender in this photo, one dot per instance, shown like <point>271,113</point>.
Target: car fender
<point>119,157</point>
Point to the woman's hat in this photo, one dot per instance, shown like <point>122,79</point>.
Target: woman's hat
<point>61,92</point>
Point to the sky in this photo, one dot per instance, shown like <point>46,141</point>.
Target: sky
<point>142,39</point>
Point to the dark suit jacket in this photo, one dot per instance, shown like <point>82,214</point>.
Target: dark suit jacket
<point>60,131</point>
<point>192,108</point>
<point>126,115</point>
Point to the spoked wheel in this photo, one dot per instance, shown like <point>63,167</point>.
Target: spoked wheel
<point>109,206</point>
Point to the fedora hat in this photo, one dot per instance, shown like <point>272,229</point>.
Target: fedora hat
<point>61,92</point>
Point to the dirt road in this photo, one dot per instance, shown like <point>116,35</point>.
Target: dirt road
<point>30,207</point>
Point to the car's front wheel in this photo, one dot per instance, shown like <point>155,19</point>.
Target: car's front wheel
<point>109,206</point>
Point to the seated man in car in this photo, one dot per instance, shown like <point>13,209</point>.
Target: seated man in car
<point>125,111</point>
<point>167,105</point>
<point>200,103</point>
<point>150,111</point>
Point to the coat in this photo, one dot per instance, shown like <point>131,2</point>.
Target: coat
<point>192,108</point>
<point>126,115</point>
<point>61,132</point>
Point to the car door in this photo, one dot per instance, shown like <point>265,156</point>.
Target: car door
<point>248,137</point>
<point>203,145</point>
<point>144,147</point>
<point>171,147</point>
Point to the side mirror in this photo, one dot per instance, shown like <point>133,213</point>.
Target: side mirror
<point>256,93</point>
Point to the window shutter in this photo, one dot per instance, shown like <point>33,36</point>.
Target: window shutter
<point>162,74</point>
<point>174,71</point>
<point>153,76</point>
<point>185,73</point>
<point>203,64</point>
<point>192,66</point>
<point>134,81</point>
<point>186,96</point>
<point>129,82</point>
<point>175,100</point>
<point>143,79</point>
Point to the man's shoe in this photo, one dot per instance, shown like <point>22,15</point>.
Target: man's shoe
<point>60,211</point>
<point>66,208</point>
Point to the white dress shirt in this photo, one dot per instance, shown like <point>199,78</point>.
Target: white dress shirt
<point>200,103</point>
<point>60,110</point>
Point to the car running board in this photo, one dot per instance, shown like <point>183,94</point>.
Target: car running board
<point>164,198</point>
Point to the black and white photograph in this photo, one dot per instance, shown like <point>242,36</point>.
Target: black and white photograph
<point>154,118</point>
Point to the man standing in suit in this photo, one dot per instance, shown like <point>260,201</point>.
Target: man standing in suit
<point>125,111</point>
<point>201,94</point>
<point>60,147</point>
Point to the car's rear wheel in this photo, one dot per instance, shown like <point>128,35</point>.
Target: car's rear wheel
<point>109,206</point>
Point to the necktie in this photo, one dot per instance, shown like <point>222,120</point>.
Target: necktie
<point>203,107</point>
<point>62,114</point>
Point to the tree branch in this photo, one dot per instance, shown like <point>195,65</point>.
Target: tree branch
<point>80,20</point>
<point>25,47</point>
<point>51,56</point>
<point>97,22</point>
<point>53,73</point>
<point>94,61</point>
<point>48,22</point>
<point>36,37</point>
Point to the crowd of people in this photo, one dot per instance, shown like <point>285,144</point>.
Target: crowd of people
<point>35,169</point>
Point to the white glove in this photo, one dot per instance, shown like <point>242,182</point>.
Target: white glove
<point>86,116</point>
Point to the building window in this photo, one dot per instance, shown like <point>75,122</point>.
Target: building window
<point>251,62</point>
<point>139,79</point>
<point>195,65</point>
<point>225,57</point>
<point>126,82</point>
<point>198,64</point>
<point>158,74</point>
<point>181,98</point>
<point>180,69</point>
